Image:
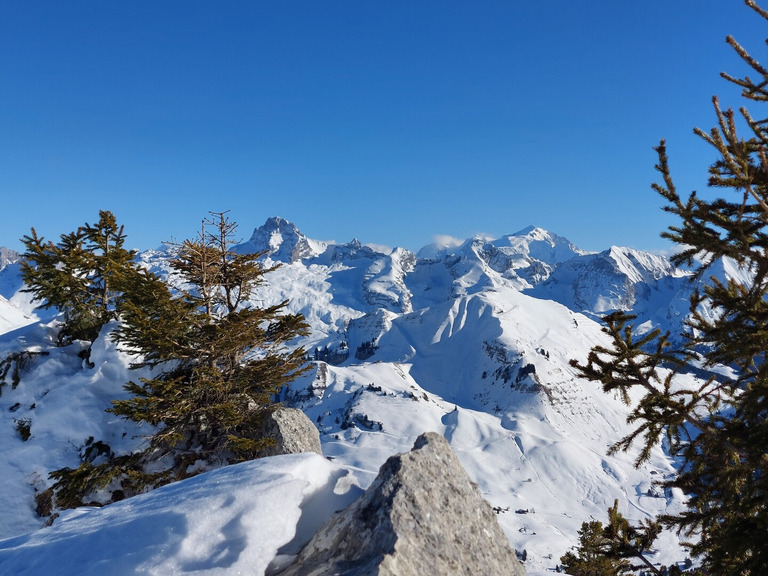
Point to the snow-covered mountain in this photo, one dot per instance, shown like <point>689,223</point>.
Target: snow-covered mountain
<point>471,341</point>
<point>281,241</point>
<point>15,307</point>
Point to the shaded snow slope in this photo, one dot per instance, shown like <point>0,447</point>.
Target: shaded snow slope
<point>63,404</point>
<point>490,375</point>
<point>16,307</point>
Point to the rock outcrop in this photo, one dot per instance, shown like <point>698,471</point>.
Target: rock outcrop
<point>293,432</point>
<point>8,256</point>
<point>422,515</point>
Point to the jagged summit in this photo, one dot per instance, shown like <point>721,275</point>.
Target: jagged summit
<point>282,241</point>
<point>523,259</point>
<point>8,256</point>
<point>532,241</point>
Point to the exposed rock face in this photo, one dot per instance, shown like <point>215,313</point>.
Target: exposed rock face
<point>8,256</point>
<point>293,432</point>
<point>422,515</point>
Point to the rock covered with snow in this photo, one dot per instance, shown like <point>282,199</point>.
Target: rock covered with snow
<point>292,431</point>
<point>8,256</point>
<point>422,515</point>
<point>521,260</point>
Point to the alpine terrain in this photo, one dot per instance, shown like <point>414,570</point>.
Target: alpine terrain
<point>471,341</point>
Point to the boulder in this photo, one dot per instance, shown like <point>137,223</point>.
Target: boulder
<point>422,515</point>
<point>293,432</point>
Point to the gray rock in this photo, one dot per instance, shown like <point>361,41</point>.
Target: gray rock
<point>421,516</point>
<point>293,432</point>
<point>8,256</point>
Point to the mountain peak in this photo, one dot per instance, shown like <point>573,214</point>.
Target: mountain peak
<point>278,223</point>
<point>539,244</point>
<point>536,233</point>
<point>281,240</point>
<point>531,230</point>
<point>8,256</point>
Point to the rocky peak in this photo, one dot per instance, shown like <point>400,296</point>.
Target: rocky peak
<point>353,250</point>
<point>525,258</point>
<point>638,266</point>
<point>8,256</point>
<point>281,240</point>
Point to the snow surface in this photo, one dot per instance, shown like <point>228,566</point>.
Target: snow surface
<point>229,521</point>
<point>471,341</point>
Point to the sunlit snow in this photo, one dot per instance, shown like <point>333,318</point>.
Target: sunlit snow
<point>472,342</point>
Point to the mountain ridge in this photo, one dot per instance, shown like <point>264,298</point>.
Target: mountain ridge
<point>471,341</point>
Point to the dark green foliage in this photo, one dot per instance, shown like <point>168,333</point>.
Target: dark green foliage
<point>80,275</point>
<point>73,484</point>
<point>591,557</point>
<point>366,350</point>
<point>218,365</point>
<point>718,428</point>
<point>221,362</point>
<point>23,427</point>
<point>14,364</point>
<point>608,550</point>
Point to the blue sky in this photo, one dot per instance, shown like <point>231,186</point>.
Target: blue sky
<point>391,122</point>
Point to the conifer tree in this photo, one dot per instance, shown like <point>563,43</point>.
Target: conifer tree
<point>80,275</point>
<point>719,427</point>
<point>608,550</point>
<point>593,555</point>
<point>221,361</point>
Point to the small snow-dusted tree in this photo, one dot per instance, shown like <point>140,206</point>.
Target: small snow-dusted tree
<point>718,428</point>
<point>80,275</point>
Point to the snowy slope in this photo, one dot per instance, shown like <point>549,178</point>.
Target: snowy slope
<point>229,521</point>
<point>472,341</point>
<point>16,309</point>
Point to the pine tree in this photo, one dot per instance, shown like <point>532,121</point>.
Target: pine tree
<point>719,428</point>
<point>80,275</point>
<point>592,556</point>
<point>607,550</point>
<point>222,361</point>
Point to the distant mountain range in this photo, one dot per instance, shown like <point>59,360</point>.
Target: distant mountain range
<point>471,341</point>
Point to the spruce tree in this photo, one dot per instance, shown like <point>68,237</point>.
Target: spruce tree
<point>79,276</point>
<point>718,427</point>
<point>221,360</point>
<point>609,550</point>
<point>219,363</point>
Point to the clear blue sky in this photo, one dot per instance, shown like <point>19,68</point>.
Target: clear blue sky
<point>387,121</point>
